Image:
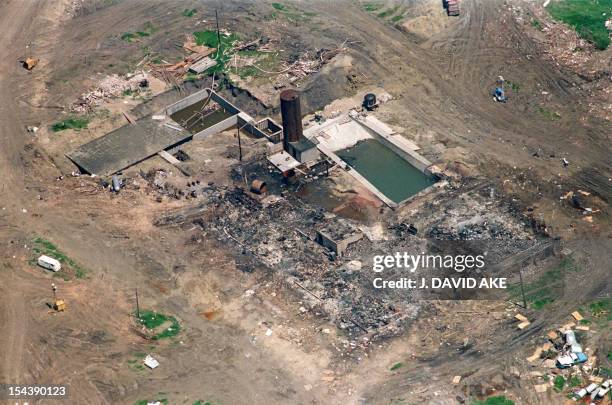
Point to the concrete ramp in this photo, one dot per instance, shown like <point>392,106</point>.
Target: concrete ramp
<point>127,146</point>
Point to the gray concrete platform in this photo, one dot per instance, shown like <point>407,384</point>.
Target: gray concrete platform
<point>127,146</point>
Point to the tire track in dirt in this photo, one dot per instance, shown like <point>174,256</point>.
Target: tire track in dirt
<point>19,21</point>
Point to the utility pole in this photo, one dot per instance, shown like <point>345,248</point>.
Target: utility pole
<point>522,289</point>
<point>137,306</point>
<point>239,145</point>
<point>218,33</point>
<point>54,288</point>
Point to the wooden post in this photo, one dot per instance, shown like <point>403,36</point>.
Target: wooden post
<point>137,305</point>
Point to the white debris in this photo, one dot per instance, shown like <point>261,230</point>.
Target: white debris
<point>269,332</point>
<point>354,265</point>
<point>109,87</point>
<point>151,362</point>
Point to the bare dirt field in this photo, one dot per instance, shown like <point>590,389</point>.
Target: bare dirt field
<point>265,317</point>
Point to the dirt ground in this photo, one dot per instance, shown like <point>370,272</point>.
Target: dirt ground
<point>244,337</point>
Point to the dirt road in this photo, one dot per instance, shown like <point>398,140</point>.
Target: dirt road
<point>15,17</point>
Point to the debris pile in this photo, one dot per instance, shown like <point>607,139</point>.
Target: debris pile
<point>569,366</point>
<point>110,87</point>
<point>278,231</point>
<point>585,202</point>
<point>173,73</point>
<point>30,63</point>
<point>307,64</point>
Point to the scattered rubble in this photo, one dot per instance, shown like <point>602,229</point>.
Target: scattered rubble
<point>109,87</point>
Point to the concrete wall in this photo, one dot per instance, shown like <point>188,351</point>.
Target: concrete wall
<point>218,127</point>
<point>307,156</point>
<point>338,246</point>
<point>186,102</point>
<point>256,129</point>
<point>227,106</point>
<point>201,95</point>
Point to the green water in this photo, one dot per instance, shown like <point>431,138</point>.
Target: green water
<point>189,118</point>
<point>386,170</point>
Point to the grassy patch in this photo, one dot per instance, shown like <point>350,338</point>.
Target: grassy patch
<point>559,383</point>
<point>75,123</point>
<point>371,7</point>
<point>551,115</point>
<point>544,290</point>
<point>264,60</point>
<point>189,12</point>
<point>128,36</point>
<point>586,17</point>
<point>145,32</point>
<point>497,400</point>
<point>223,54</point>
<point>600,308</point>
<point>292,14</point>
<point>192,77</point>
<point>574,381</point>
<point>146,401</point>
<point>271,16</point>
<point>397,18</point>
<point>200,402</point>
<point>152,320</point>
<point>569,264</point>
<point>42,246</point>
<point>514,86</point>
<point>387,13</point>
<point>396,366</point>
<point>536,24</point>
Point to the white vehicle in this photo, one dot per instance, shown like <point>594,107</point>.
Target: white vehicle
<point>591,387</point>
<point>602,392</point>
<point>49,263</point>
<point>581,393</point>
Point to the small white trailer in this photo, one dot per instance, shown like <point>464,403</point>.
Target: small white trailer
<point>49,263</point>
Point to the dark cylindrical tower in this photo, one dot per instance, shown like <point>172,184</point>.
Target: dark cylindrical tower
<point>292,116</point>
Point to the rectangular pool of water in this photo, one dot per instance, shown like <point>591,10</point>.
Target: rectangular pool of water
<point>189,118</point>
<point>386,170</point>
